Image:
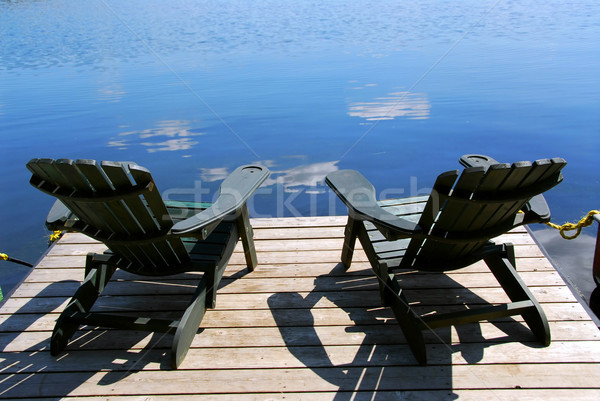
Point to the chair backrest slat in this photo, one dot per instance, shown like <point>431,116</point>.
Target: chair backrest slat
<point>439,195</point>
<point>137,218</point>
<point>103,185</point>
<point>152,196</point>
<point>458,215</point>
<point>511,184</point>
<point>544,169</point>
<point>50,172</point>
<point>492,182</point>
<point>87,174</point>
<point>161,215</point>
<point>114,202</point>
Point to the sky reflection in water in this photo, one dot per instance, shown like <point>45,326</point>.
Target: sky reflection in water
<point>396,90</point>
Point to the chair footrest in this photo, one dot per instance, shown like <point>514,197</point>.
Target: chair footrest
<point>124,322</point>
<point>475,315</point>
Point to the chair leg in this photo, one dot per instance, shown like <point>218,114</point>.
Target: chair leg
<point>383,278</point>
<point>502,266</point>
<point>408,320</point>
<point>350,234</point>
<point>213,279</point>
<point>213,275</point>
<point>97,277</point>
<point>389,288</point>
<point>188,325</point>
<point>381,270</point>
<point>247,236</point>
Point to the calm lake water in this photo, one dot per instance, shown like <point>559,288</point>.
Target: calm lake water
<point>399,91</point>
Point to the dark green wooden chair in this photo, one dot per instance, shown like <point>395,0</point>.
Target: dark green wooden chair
<point>119,204</point>
<point>450,229</point>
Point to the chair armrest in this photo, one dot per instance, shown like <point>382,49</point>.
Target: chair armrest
<point>474,160</point>
<point>358,195</point>
<point>233,194</point>
<point>58,216</point>
<point>536,210</point>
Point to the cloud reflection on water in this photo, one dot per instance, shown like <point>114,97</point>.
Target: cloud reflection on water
<point>308,177</point>
<point>112,93</point>
<point>214,174</point>
<point>396,104</point>
<point>178,133</point>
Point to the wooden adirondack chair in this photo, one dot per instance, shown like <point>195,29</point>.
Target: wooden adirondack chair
<point>119,204</point>
<point>451,230</point>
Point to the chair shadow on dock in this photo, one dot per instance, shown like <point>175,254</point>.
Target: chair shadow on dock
<point>25,344</point>
<point>383,364</point>
<point>105,356</point>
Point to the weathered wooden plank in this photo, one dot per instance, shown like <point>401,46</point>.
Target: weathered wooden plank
<point>73,262</point>
<point>344,378</point>
<point>490,333</point>
<point>308,243</point>
<point>313,221</point>
<point>260,300</point>
<point>66,268</point>
<point>312,245</point>
<point>317,298</point>
<point>295,233</point>
<point>291,317</point>
<point>314,269</point>
<point>264,246</point>
<point>76,249</point>
<point>304,229</point>
<point>250,284</point>
<point>521,238</point>
<point>290,225</point>
<point>331,257</point>
<point>513,353</point>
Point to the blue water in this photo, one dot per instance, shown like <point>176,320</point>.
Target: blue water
<point>399,91</point>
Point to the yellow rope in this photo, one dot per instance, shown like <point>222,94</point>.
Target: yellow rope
<point>55,235</point>
<point>584,222</point>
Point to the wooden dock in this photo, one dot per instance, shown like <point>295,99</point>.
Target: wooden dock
<point>297,328</point>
